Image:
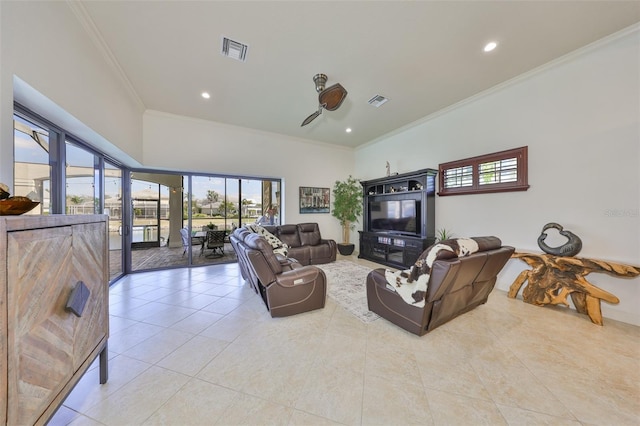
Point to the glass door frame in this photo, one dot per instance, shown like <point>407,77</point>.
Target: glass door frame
<point>145,242</point>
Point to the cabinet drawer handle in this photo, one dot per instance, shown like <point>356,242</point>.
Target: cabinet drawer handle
<point>77,299</point>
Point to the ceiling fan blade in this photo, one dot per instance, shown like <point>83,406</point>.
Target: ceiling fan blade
<point>332,97</point>
<point>310,118</point>
<point>313,116</point>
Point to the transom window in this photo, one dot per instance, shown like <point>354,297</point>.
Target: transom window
<point>496,172</point>
<point>458,177</point>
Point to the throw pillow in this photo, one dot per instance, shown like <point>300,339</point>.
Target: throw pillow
<point>278,246</point>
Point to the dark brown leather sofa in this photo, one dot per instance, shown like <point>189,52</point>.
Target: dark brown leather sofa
<point>306,245</point>
<point>286,286</point>
<point>456,285</point>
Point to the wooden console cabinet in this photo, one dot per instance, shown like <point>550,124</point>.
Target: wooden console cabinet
<point>44,347</point>
<point>394,247</point>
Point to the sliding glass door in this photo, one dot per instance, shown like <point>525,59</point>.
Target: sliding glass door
<point>113,208</point>
<point>156,220</point>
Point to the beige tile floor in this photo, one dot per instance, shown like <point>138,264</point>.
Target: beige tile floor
<point>198,347</point>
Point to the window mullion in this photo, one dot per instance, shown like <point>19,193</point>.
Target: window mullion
<point>475,175</point>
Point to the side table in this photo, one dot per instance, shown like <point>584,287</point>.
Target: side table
<point>552,278</point>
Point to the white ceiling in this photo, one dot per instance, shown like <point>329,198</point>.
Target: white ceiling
<point>422,55</point>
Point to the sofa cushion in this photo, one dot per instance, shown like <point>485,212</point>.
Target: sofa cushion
<point>302,254</point>
<point>309,234</point>
<point>273,266</point>
<point>288,234</point>
<point>271,228</point>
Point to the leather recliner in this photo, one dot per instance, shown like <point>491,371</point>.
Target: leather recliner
<point>286,286</point>
<point>456,285</point>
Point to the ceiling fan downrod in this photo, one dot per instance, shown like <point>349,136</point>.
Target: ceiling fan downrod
<point>320,80</point>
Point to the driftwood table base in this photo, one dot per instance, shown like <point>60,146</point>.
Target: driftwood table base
<point>553,278</point>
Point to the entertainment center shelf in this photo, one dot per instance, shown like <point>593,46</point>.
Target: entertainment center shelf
<point>398,218</point>
<point>395,188</point>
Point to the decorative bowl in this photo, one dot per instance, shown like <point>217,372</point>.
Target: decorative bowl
<point>16,206</point>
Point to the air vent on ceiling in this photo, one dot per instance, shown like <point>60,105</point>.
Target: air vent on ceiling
<point>234,49</point>
<point>377,100</point>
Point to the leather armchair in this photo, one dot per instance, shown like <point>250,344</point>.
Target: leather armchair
<point>456,285</point>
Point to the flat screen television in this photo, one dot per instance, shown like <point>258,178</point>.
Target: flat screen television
<point>395,216</point>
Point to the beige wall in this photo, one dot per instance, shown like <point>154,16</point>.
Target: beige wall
<point>580,118</point>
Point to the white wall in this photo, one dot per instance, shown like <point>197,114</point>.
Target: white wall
<point>580,118</point>
<point>60,74</point>
<point>193,145</point>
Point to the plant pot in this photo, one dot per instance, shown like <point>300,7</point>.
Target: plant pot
<point>346,249</point>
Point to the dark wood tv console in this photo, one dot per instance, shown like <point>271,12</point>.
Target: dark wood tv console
<point>392,247</point>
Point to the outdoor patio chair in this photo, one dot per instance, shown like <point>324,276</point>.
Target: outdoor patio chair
<point>214,242</point>
<point>184,234</point>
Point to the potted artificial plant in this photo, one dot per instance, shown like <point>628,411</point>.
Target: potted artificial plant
<point>347,207</point>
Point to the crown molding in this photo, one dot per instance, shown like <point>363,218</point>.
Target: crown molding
<point>94,34</point>
<point>635,28</point>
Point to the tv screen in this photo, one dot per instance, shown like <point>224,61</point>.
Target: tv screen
<point>402,216</point>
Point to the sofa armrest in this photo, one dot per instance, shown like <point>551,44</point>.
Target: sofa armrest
<point>284,260</point>
<point>324,252</point>
<point>287,263</point>
<point>331,243</point>
<point>298,276</point>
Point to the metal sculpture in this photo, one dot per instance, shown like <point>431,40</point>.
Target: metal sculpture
<point>571,248</point>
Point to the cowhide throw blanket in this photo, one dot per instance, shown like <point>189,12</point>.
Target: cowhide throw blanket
<point>411,284</point>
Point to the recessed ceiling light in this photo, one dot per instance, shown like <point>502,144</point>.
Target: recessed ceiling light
<point>206,95</point>
<point>348,130</point>
<point>490,46</point>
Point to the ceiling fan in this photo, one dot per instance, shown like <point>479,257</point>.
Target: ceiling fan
<point>330,98</point>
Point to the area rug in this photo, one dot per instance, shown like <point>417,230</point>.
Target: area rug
<point>346,284</point>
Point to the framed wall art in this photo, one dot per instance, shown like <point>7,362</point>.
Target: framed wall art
<point>314,200</point>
